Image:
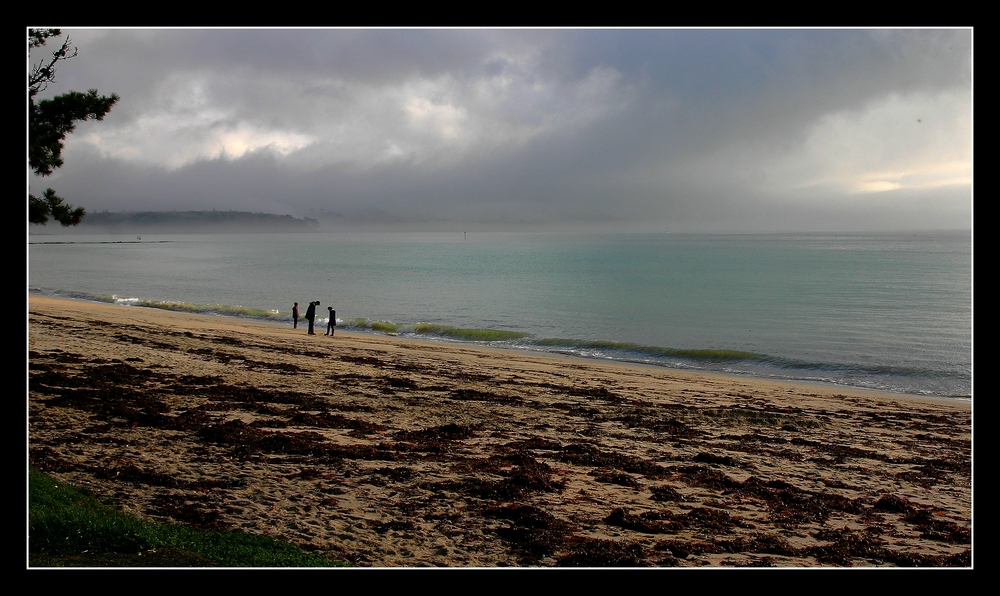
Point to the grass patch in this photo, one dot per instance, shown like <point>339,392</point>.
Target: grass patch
<point>69,527</point>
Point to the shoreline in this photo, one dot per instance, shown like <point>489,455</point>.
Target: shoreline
<point>399,452</point>
<point>543,353</point>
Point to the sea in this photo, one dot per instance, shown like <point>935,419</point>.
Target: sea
<point>882,311</point>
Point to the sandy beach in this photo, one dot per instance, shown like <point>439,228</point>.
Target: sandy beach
<point>390,452</point>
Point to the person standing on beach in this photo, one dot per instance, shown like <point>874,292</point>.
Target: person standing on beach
<point>332,322</point>
<point>295,316</point>
<point>311,315</point>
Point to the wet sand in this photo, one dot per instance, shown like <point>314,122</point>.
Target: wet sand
<point>386,451</point>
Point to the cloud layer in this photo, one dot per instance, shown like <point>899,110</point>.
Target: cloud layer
<point>653,130</point>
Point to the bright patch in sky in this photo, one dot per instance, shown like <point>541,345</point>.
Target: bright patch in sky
<point>444,121</point>
<point>899,142</point>
<point>173,142</point>
<point>187,126</point>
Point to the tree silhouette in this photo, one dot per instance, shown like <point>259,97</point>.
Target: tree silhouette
<point>50,120</point>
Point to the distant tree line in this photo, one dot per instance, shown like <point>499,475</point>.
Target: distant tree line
<point>198,221</point>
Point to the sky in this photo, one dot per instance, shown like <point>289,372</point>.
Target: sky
<point>617,130</point>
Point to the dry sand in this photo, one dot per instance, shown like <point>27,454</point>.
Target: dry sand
<point>390,452</point>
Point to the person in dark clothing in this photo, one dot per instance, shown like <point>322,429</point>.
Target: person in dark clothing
<point>332,323</point>
<point>311,315</point>
<point>295,316</point>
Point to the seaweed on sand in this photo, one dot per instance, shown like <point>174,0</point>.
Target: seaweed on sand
<point>594,552</point>
<point>532,532</point>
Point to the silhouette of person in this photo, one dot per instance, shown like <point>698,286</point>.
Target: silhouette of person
<point>311,315</point>
<point>332,323</point>
<point>295,316</point>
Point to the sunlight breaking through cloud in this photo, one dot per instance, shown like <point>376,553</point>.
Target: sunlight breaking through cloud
<point>897,142</point>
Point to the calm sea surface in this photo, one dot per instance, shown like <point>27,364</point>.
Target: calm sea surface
<point>882,311</point>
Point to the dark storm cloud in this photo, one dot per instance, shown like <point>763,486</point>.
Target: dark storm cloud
<point>635,129</point>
